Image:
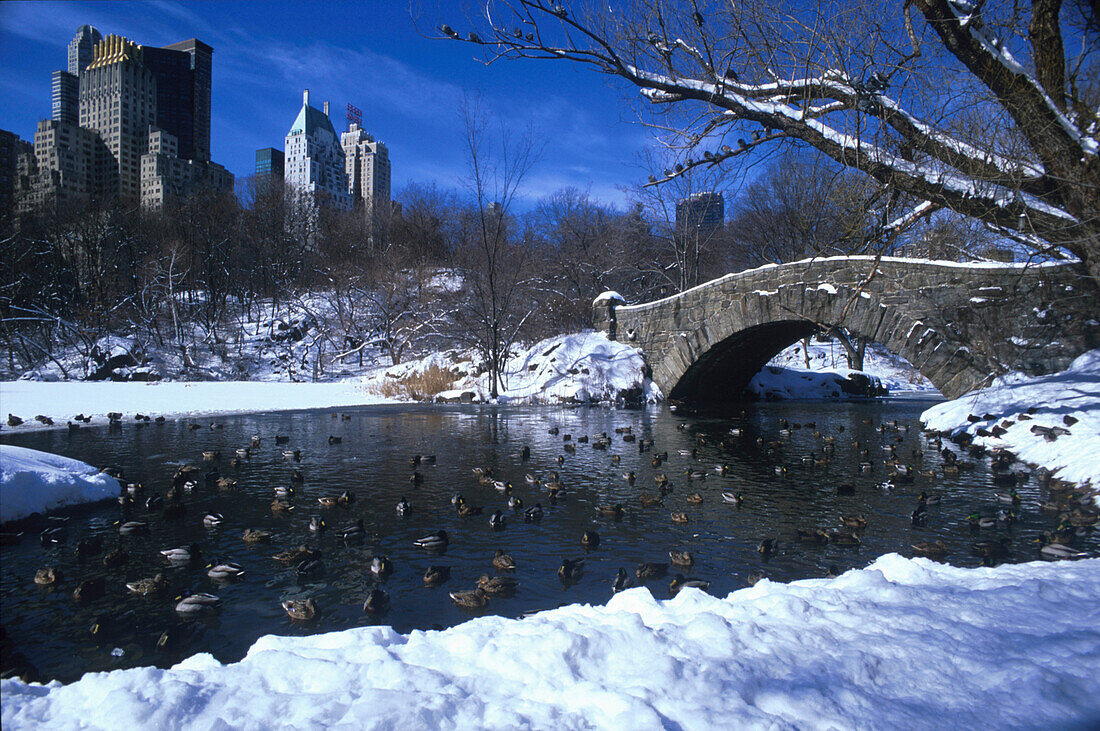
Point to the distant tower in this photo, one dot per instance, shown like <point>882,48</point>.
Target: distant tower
<point>701,213</point>
<point>65,97</point>
<point>82,49</point>
<point>314,160</point>
<point>269,162</point>
<point>367,163</point>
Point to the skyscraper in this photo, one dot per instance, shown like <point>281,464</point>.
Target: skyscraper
<point>270,162</point>
<point>82,49</point>
<point>118,100</point>
<point>201,57</point>
<point>315,159</point>
<point>65,97</point>
<point>367,163</point>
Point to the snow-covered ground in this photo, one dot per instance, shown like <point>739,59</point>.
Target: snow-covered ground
<point>904,643</point>
<point>893,372</point>
<point>35,482</point>
<point>62,401</point>
<point>1052,421</point>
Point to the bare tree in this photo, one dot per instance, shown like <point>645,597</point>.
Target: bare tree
<point>491,253</point>
<point>989,109</point>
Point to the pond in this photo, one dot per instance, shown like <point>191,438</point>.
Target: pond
<point>795,465</point>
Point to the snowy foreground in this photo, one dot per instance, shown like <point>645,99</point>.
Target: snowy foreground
<point>35,482</point>
<point>1052,421</point>
<point>904,643</point>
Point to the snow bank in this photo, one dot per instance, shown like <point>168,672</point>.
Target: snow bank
<point>1028,409</point>
<point>894,372</point>
<point>61,401</point>
<point>904,643</point>
<point>34,482</point>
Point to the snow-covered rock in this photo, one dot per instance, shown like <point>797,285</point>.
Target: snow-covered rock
<point>776,383</point>
<point>1052,421</point>
<point>578,368</point>
<point>904,643</point>
<point>36,482</point>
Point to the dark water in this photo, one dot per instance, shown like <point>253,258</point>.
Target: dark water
<point>372,460</point>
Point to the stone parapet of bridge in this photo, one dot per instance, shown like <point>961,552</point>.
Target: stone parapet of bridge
<point>958,324</point>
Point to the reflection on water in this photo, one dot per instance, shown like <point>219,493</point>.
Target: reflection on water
<point>371,460</point>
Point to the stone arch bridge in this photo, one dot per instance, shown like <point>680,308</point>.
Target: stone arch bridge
<point>958,324</point>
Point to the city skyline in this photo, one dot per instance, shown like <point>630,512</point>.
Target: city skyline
<point>409,86</point>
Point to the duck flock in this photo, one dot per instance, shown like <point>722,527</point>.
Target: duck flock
<point>650,479</point>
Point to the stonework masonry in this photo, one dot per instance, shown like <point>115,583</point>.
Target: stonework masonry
<point>958,324</point>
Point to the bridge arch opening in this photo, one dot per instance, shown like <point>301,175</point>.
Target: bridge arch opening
<point>722,373</point>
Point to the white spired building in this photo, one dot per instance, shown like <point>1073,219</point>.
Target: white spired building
<point>315,159</point>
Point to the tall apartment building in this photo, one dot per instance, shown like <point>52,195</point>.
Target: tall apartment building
<point>315,166</point>
<point>118,101</point>
<point>700,213</point>
<point>105,107</point>
<point>367,164</point>
<point>14,154</point>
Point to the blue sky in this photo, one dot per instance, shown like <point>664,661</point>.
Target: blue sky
<point>371,54</point>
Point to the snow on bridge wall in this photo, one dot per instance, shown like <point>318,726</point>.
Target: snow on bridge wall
<point>958,324</point>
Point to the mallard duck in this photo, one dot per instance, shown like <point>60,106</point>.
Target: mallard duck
<point>354,533</point>
<point>590,539</point>
<point>48,576</point>
<point>503,562</point>
<point>297,477</point>
<point>854,521</point>
<point>681,558</point>
<point>695,497</point>
<point>403,507</point>
<point>211,455</point>
<point>812,535</point>
<point>680,582</point>
<point>466,509</point>
<point>253,536</point>
<point>533,514</point>
<point>678,517</point>
<point>1054,550</point>
<point>768,546</point>
<point>301,610</point>
<point>930,549</point>
<point>296,555</point>
<point>212,520</point>
<point>435,542</point>
<point>497,520</point>
<point>475,599</point>
<point>1009,498</point>
<point>610,511</point>
<point>755,577</point>
<point>225,483</point>
<point>436,575</point>
<point>502,486</point>
<point>925,499</point>
<point>514,502</point>
<point>190,605</point>
<point>377,602</point>
<point>114,559</point>
<point>284,491</point>
<point>133,528</point>
<point>312,566</point>
<point>650,570</point>
<point>328,501</point>
<point>89,546</point>
<point>334,439</point>
<point>734,498</point>
<point>294,454</point>
<point>317,523</point>
<point>695,474</point>
<point>416,479</point>
<point>182,554</point>
<point>347,497</point>
<point>649,501</point>
<point>622,581</point>
<point>224,571</point>
<point>145,587</point>
<point>255,442</point>
<point>497,585</point>
<point>279,505</point>
<point>531,479</point>
<point>90,589</point>
<point>981,521</point>
<point>381,566</point>
<point>841,538</point>
<point>992,547</point>
<point>571,569</point>
<point>919,515</point>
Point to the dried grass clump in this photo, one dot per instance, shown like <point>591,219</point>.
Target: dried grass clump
<point>421,386</point>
